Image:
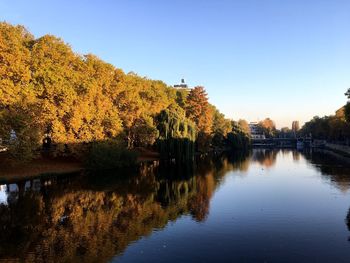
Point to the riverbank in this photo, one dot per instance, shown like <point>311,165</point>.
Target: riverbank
<point>11,172</point>
<point>48,165</point>
<point>40,166</point>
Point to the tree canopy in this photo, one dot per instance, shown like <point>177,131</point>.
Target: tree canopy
<point>46,89</point>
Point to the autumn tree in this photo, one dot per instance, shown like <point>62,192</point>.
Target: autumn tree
<point>15,58</point>
<point>334,127</point>
<point>46,89</point>
<point>220,123</point>
<point>144,132</point>
<point>198,109</point>
<point>326,128</point>
<point>19,112</point>
<point>54,80</point>
<point>94,116</point>
<point>268,127</point>
<point>221,126</point>
<point>244,126</point>
<point>139,99</point>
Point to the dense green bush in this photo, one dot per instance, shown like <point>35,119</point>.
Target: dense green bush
<point>238,138</point>
<point>109,155</point>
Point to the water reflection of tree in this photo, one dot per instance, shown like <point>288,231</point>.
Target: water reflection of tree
<point>296,156</point>
<point>265,157</point>
<point>331,168</point>
<point>347,220</point>
<point>89,219</point>
<point>240,161</point>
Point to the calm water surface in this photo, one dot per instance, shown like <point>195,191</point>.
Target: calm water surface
<point>268,206</point>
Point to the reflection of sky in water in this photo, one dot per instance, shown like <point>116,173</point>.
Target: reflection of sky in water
<point>3,195</point>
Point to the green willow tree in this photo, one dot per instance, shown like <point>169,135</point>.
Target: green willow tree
<point>221,127</point>
<point>177,135</point>
<point>238,138</point>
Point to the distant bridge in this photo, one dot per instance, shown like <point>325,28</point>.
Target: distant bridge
<point>281,142</point>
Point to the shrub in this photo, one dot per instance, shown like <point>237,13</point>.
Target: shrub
<point>109,155</point>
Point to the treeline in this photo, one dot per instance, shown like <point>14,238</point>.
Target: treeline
<point>332,128</point>
<point>268,128</point>
<point>47,90</point>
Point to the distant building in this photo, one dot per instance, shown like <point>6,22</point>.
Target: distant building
<point>255,131</point>
<point>295,126</point>
<point>182,85</point>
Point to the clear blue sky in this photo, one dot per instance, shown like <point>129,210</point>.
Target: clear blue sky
<point>264,58</point>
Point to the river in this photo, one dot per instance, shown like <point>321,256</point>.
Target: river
<point>263,206</point>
